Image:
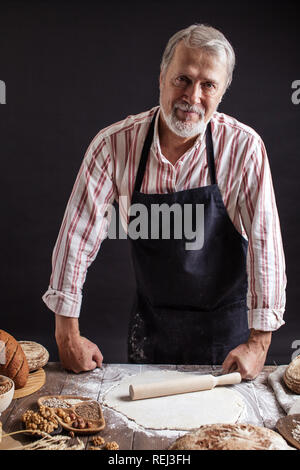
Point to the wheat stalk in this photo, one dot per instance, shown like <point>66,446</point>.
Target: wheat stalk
<point>47,442</point>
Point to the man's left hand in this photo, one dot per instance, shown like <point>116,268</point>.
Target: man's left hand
<point>249,358</point>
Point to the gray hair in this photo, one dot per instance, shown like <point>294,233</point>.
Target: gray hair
<point>203,37</point>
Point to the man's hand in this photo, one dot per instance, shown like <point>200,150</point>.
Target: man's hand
<point>249,358</point>
<point>76,353</point>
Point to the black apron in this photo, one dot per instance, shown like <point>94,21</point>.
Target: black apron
<point>190,305</point>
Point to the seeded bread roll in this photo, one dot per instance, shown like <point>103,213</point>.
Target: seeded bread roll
<point>15,364</point>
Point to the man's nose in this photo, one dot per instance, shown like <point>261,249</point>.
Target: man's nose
<point>194,93</point>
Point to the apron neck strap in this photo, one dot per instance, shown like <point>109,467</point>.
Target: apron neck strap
<point>210,154</point>
<point>147,146</point>
<point>145,153</point>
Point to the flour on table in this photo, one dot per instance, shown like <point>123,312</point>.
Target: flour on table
<point>185,411</point>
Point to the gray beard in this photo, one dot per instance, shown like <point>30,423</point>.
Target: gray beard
<point>183,128</point>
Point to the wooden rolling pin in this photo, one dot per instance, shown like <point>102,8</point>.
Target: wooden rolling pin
<point>183,385</point>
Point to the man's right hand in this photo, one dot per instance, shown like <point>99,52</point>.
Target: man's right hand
<point>76,353</point>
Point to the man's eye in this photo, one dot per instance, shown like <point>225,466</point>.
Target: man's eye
<point>209,85</point>
<point>181,81</point>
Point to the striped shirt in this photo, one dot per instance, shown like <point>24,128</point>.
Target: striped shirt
<point>107,174</point>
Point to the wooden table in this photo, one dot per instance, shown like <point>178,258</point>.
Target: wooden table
<point>262,406</point>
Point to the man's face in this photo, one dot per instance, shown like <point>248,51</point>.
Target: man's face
<point>191,89</point>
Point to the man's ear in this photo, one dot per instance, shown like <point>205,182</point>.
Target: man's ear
<point>161,80</point>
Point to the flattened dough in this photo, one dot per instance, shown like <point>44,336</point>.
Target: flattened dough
<point>185,411</point>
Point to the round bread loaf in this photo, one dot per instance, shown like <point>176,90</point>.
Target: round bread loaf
<point>37,355</point>
<point>231,437</point>
<point>13,361</point>
<point>291,376</point>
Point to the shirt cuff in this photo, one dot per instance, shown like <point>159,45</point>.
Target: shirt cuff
<point>63,303</point>
<point>265,319</point>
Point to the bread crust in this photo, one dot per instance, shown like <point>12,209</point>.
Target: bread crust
<point>16,365</point>
<point>37,355</point>
<point>238,436</point>
<point>291,376</point>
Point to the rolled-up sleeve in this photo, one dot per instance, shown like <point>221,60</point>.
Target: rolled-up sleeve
<point>265,258</point>
<point>84,227</point>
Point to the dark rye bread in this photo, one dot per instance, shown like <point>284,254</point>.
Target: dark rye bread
<point>238,436</point>
<point>16,365</point>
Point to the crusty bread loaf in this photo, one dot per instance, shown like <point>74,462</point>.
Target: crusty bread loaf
<point>231,437</point>
<point>15,366</point>
<point>291,376</point>
<point>37,355</point>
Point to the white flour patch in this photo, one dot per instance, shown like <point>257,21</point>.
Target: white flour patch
<point>149,433</point>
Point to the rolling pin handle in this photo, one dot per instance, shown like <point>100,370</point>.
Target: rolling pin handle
<point>229,379</point>
<point>131,392</point>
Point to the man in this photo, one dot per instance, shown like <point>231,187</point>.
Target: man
<point>218,304</point>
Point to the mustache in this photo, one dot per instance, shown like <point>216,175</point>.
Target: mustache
<point>189,108</point>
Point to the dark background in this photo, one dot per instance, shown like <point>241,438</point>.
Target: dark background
<point>72,68</point>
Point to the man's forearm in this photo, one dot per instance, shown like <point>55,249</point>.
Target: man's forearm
<point>66,327</point>
<point>262,338</point>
